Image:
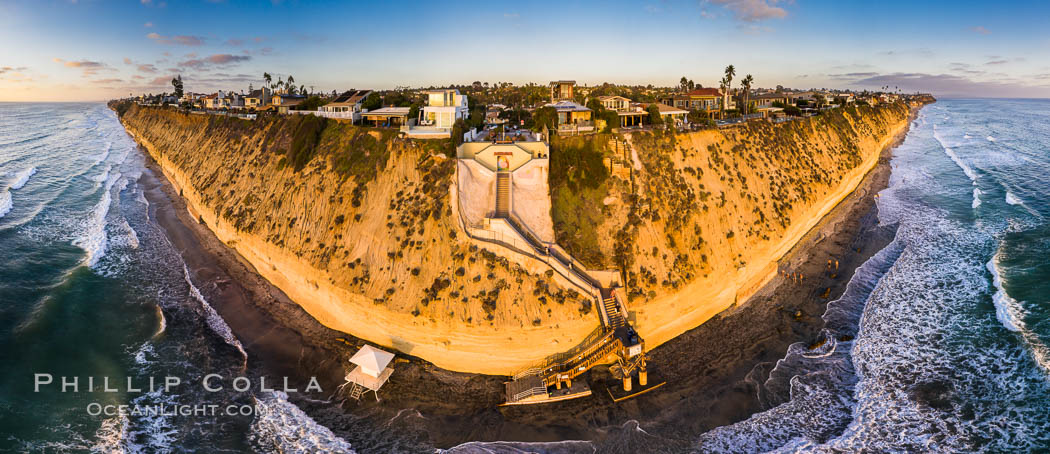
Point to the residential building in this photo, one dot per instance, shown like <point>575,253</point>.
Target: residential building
<point>672,114</point>
<point>573,116</point>
<point>707,100</point>
<point>286,99</point>
<point>443,109</point>
<point>387,116</point>
<point>561,90</point>
<point>615,103</point>
<point>765,101</point>
<point>257,98</point>
<point>347,105</point>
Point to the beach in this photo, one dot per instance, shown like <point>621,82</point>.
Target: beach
<point>711,371</point>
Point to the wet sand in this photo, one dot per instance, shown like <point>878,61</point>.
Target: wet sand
<point>711,371</point>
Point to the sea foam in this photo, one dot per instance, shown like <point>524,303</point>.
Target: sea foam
<point>21,178</point>
<point>280,426</point>
<point>5,202</point>
<point>214,320</point>
<point>1006,308</point>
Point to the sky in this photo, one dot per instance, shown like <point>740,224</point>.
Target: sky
<point>86,50</point>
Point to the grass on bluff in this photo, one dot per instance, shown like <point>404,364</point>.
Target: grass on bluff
<point>578,185</point>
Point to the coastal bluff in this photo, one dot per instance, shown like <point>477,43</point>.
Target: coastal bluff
<point>359,227</point>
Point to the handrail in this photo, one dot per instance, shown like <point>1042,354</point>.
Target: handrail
<point>530,392</point>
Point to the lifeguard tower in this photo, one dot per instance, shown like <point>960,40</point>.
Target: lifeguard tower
<point>371,371</point>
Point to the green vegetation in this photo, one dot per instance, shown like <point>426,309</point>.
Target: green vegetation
<point>578,185</point>
<point>306,134</point>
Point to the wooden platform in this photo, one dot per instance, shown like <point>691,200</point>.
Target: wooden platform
<point>578,389</point>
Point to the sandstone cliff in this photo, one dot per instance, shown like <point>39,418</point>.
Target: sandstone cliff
<point>359,228</point>
<point>708,214</point>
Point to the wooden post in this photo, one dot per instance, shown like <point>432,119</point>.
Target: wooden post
<point>627,383</point>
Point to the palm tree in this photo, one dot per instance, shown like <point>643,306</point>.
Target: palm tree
<point>723,85</point>
<point>730,72</point>
<point>269,80</point>
<point>290,83</point>
<point>746,83</point>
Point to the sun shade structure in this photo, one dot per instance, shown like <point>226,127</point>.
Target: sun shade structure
<point>371,371</point>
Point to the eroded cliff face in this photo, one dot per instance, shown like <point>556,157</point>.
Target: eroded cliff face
<point>360,229</point>
<point>357,226</point>
<point>710,213</point>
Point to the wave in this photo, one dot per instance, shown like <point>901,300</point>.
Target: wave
<point>280,426</point>
<point>1007,309</point>
<point>976,198</point>
<point>5,202</point>
<point>112,436</point>
<point>102,156</point>
<point>1012,199</point>
<point>94,240</point>
<point>990,138</point>
<point>955,158</point>
<point>21,178</point>
<point>213,319</point>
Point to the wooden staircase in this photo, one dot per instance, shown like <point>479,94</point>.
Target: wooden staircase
<point>612,312</point>
<point>502,194</point>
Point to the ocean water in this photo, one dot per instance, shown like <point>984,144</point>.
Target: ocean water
<point>91,287</point>
<point>941,342</point>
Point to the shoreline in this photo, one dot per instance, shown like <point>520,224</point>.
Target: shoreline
<point>424,406</point>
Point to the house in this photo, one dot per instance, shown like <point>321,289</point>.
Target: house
<point>766,101</point>
<point>387,116</point>
<point>216,100</point>
<point>707,100</point>
<point>286,99</point>
<point>572,116</point>
<point>561,90</point>
<point>444,107</point>
<point>257,99</point>
<point>615,103</point>
<point>671,114</point>
<point>348,103</point>
<point>794,98</point>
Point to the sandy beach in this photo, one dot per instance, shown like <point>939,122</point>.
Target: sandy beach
<point>710,370</point>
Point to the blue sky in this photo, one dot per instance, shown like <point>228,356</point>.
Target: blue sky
<point>95,49</point>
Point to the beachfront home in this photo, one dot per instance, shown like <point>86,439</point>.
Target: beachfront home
<point>346,105</point>
<point>615,103</point>
<point>286,99</point>
<point>257,98</point>
<point>572,117</point>
<point>708,100</point>
<point>387,116</point>
<point>679,117</point>
<point>561,90</point>
<point>443,108</point>
<point>765,101</point>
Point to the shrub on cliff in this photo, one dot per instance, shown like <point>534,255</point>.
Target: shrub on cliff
<point>306,134</point>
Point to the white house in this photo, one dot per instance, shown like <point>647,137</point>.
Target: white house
<point>443,108</point>
<point>346,105</point>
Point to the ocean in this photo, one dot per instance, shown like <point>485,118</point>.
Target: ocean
<point>939,344</point>
<point>90,287</point>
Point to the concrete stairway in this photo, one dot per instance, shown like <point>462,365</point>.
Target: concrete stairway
<point>502,194</point>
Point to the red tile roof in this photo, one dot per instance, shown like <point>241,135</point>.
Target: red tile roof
<point>705,92</point>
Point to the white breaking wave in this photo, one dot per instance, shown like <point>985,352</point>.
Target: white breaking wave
<point>111,437</point>
<point>1012,199</point>
<point>967,136</point>
<point>5,202</point>
<point>215,322</point>
<point>976,198</point>
<point>21,178</point>
<point>94,240</point>
<point>990,138</point>
<point>955,158</point>
<point>1006,308</point>
<point>280,426</point>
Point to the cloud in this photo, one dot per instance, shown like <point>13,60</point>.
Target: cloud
<point>162,80</point>
<point>997,62</point>
<point>234,42</point>
<point>980,29</point>
<point>147,68</point>
<point>753,10</point>
<point>127,61</point>
<point>953,85</point>
<point>184,40</point>
<point>9,69</point>
<point>853,76</point>
<point>148,25</point>
<point>108,81</point>
<point>90,68</point>
<point>216,60</point>
<point>511,15</point>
